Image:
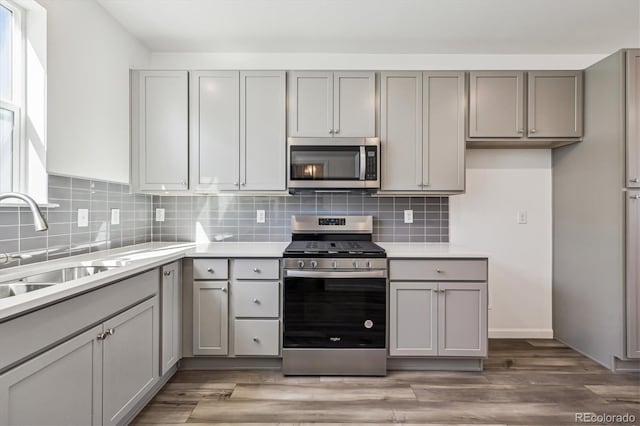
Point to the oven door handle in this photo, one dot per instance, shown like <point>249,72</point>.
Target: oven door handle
<point>377,273</point>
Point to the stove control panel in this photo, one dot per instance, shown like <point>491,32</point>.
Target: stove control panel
<point>333,264</point>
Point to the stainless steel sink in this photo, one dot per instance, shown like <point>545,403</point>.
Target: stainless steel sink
<point>11,289</point>
<point>66,274</point>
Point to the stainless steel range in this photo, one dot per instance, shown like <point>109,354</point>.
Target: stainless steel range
<point>335,298</point>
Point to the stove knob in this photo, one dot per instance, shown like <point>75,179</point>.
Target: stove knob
<point>300,264</point>
<point>355,264</point>
<point>314,264</point>
<point>334,264</point>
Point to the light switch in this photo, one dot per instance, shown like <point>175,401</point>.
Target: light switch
<point>83,218</point>
<point>260,216</point>
<point>115,216</point>
<point>408,216</point>
<point>522,217</point>
<point>159,215</point>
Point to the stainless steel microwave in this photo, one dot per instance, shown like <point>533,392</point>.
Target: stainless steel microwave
<point>333,163</point>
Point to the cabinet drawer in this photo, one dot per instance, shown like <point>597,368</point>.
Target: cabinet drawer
<point>257,337</point>
<point>256,269</point>
<point>210,269</point>
<point>439,270</point>
<point>256,299</point>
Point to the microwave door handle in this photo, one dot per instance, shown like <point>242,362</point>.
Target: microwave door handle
<point>363,162</point>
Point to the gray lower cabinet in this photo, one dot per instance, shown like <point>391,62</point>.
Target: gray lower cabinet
<point>171,314</point>
<point>422,128</point>
<point>633,117</point>
<point>443,316</point>
<point>130,358</point>
<point>96,377</point>
<point>63,386</point>
<point>210,318</point>
<point>633,274</point>
<point>160,130</point>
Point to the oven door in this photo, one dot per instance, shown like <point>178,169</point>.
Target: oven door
<point>339,310</point>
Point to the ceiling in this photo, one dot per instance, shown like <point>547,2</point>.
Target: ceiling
<point>382,26</point>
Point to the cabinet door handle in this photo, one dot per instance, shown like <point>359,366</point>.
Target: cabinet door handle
<point>255,339</point>
<point>634,197</point>
<point>533,130</point>
<point>256,301</point>
<point>183,183</point>
<point>167,273</point>
<point>634,180</point>
<point>224,289</point>
<point>102,336</point>
<point>235,183</point>
<point>520,131</point>
<point>111,331</point>
<point>244,183</point>
<point>336,131</point>
<point>330,131</point>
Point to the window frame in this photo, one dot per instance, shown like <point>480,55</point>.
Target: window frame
<point>18,94</point>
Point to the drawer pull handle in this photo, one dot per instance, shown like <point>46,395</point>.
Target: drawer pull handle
<point>256,301</point>
<point>224,289</point>
<point>255,339</point>
<point>210,270</point>
<point>256,270</point>
<point>440,271</point>
<point>634,197</point>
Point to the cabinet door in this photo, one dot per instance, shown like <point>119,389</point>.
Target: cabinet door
<point>311,104</point>
<point>401,131</point>
<point>215,130</point>
<point>164,131</point>
<point>262,131</point>
<point>633,118</point>
<point>60,387</point>
<point>443,145</point>
<point>130,359</point>
<point>462,319</point>
<point>210,320</point>
<point>496,104</point>
<point>413,319</point>
<point>555,104</point>
<point>633,274</point>
<point>171,314</point>
<point>354,97</point>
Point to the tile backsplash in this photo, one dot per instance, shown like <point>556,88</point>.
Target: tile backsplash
<point>64,238</point>
<point>199,218</point>
<point>233,218</point>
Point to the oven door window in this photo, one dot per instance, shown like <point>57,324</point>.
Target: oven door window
<point>334,313</point>
<point>325,163</point>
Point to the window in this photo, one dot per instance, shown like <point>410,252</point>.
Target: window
<point>11,94</point>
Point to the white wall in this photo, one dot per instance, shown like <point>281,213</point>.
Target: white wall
<point>89,56</point>
<point>499,184</point>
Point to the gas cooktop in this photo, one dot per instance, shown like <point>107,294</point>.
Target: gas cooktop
<point>331,248</point>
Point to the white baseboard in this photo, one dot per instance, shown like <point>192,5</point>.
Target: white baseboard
<point>520,333</point>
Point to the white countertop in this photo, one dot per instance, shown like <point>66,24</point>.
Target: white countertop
<point>142,257</point>
<point>428,250</point>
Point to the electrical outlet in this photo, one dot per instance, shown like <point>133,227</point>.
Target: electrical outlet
<point>408,216</point>
<point>159,215</point>
<point>115,216</point>
<point>522,217</point>
<point>260,216</point>
<point>83,218</point>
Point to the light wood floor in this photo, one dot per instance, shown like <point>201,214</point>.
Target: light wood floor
<point>524,382</point>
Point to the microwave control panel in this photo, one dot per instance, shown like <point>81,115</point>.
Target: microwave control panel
<point>371,171</point>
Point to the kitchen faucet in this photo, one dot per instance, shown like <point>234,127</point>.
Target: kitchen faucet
<point>38,220</point>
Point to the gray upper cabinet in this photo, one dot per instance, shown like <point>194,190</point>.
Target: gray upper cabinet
<point>63,386</point>
<point>401,131</point>
<point>215,130</point>
<point>354,104</point>
<point>327,104</point>
<point>443,137</point>
<point>462,319</point>
<point>496,104</point>
<point>413,319</point>
<point>554,104</point>
<point>633,118</point>
<point>422,129</point>
<point>633,274</point>
<point>263,130</point>
<point>162,131</point>
<point>171,316</point>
